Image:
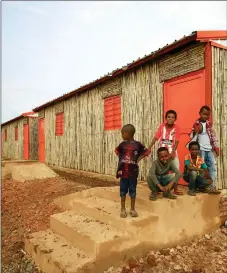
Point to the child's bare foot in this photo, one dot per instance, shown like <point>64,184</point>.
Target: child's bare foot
<point>123,213</point>
<point>133,213</point>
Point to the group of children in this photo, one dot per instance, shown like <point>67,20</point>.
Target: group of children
<point>199,164</point>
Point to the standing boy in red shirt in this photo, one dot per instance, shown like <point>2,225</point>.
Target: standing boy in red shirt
<point>168,135</point>
<point>130,152</point>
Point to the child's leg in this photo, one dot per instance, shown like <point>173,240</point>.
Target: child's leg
<point>177,164</point>
<point>166,179</point>
<point>132,194</point>
<point>211,164</point>
<point>192,176</point>
<point>153,187</point>
<point>124,184</point>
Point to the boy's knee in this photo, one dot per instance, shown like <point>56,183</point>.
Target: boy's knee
<point>123,193</point>
<point>193,174</point>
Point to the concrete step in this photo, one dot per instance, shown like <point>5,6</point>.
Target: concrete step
<point>112,193</point>
<point>89,234</point>
<point>54,254</point>
<point>109,212</point>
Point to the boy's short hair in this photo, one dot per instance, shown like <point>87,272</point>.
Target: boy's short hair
<point>205,107</point>
<point>171,112</point>
<point>193,143</point>
<point>129,128</point>
<point>162,149</point>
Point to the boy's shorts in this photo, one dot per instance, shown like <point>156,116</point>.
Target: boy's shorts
<point>128,185</point>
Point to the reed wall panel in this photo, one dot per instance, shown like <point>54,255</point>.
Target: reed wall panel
<point>13,149</point>
<point>187,60</point>
<point>219,93</point>
<point>33,138</point>
<point>85,145</point>
<point>111,88</point>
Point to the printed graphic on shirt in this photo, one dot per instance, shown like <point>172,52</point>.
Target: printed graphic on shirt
<point>128,153</point>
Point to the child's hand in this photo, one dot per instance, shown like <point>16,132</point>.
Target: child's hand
<point>198,129</point>
<point>217,153</point>
<point>119,173</point>
<point>162,188</point>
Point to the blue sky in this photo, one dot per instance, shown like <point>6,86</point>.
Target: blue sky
<point>50,48</point>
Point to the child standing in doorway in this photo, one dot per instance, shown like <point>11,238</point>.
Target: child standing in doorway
<point>203,132</point>
<point>130,152</point>
<point>168,135</point>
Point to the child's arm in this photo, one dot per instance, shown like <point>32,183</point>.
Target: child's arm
<point>152,143</point>
<point>118,149</point>
<point>156,137</point>
<point>215,142</point>
<point>143,152</point>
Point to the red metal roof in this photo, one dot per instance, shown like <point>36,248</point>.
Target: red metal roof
<point>27,114</point>
<point>194,36</point>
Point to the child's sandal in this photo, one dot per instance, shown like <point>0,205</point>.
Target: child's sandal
<point>133,213</point>
<point>123,214</point>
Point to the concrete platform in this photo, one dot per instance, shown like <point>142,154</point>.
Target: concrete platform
<point>22,170</point>
<point>91,225</point>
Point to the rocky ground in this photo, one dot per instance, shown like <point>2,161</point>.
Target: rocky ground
<point>205,255</point>
<point>26,207</point>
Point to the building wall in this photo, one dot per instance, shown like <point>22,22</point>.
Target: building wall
<point>219,99</point>
<point>11,148</point>
<point>14,149</point>
<point>85,145</point>
<point>33,138</point>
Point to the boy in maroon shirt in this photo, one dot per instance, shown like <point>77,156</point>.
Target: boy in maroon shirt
<point>130,152</point>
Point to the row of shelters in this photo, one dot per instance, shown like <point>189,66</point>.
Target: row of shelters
<point>80,129</point>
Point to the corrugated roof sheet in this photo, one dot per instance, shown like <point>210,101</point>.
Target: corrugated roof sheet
<point>195,35</point>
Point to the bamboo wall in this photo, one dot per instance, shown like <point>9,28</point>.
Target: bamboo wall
<point>219,93</point>
<point>14,149</point>
<point>188,60</point>
<point>11,148</point>
<point>33,138</point>
<point>85,145</point>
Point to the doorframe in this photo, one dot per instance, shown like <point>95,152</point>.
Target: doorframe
<point>28,140</point>
<point>208,74</point>
<point>43,120</point>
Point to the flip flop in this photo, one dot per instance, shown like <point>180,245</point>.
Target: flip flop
<point>123,214</point>
<point>133,213</point>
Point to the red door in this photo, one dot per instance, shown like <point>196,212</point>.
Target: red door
<point>26,142</point>
<point>186,95</point>
<point>41,140</point>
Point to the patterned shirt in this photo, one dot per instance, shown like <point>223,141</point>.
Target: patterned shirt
<point>167,137</point>
<point>128,153</point>
<point>200,164</point>
<point>210,132</point>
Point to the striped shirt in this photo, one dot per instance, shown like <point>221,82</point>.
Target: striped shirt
<point>167,137</point>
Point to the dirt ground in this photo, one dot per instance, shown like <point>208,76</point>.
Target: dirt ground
<point>26,207</point>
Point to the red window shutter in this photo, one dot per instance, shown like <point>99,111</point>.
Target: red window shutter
<point>59,124</point>
<point>16,133</point>
<point>112,113</point>
<point>5,135</point>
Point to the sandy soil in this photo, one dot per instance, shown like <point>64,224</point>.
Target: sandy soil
<point>26,207</point>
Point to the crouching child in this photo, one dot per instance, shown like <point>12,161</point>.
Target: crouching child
<point>130,152</point>
<point>196,172</point>
<point>159,179</point>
